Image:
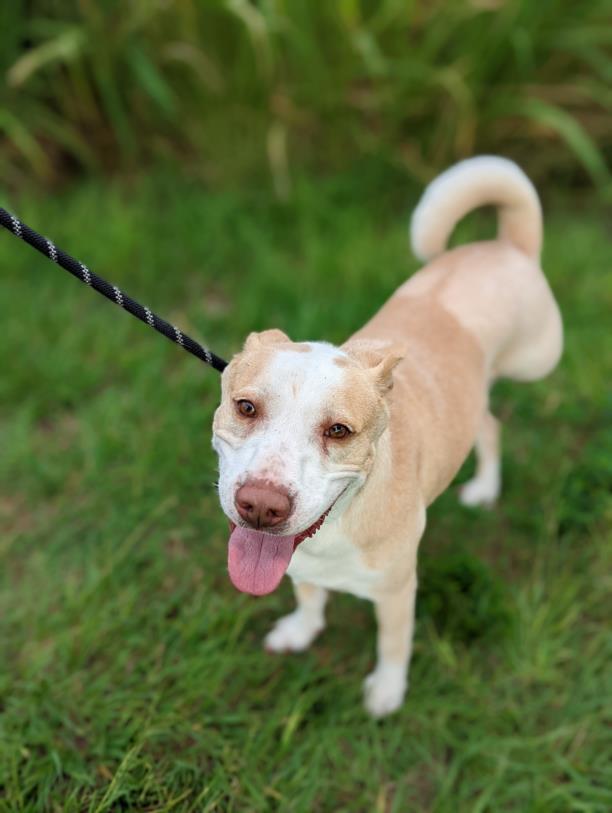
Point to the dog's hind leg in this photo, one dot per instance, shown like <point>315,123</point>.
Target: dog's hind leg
<point>484,487</point>
<point>386,686</point>
<point>296,631</point>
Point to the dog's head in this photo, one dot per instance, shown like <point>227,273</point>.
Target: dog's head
<point>296,435</point>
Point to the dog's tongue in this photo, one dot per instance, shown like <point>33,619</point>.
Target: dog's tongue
<point>258,561</point>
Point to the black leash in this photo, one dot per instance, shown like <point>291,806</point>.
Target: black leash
<point>80,271</point>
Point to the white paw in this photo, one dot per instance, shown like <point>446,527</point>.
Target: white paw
<point>292,633</point>
<point>480,491</point>
<point>384,689</point>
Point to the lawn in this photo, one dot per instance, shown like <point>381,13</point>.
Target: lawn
<point>131,672</point>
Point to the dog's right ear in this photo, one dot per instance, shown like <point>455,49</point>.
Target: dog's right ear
<point>265,337</point>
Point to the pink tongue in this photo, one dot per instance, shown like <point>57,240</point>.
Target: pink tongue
<point>258,561</point>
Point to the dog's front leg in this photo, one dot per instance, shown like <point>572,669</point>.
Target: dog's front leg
<point>296,631</point>
<point>386,686</point>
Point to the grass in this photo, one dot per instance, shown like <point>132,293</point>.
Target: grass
<point>237,89</point>
<point>131,672</point>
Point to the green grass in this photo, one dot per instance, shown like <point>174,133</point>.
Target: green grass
<point>237,89</point>
<point>131,673</point>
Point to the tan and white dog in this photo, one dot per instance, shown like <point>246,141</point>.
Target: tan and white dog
<point>329,456</point>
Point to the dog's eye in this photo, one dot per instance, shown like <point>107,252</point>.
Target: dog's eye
<point>246,408</point>
<point>337,431</point>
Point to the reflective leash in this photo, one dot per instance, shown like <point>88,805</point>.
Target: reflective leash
<point>80,271</point>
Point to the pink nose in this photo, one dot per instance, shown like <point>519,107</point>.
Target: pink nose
<point>262,505</point>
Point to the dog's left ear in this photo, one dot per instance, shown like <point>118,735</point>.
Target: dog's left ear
<point>383,372</point>
<point>379,359</point>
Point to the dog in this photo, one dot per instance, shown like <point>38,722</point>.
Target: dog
<point>329,456</point>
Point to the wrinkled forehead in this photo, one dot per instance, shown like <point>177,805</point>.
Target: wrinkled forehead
<point>312,375</point>
<point>312,369</point>
<point>298,367</point>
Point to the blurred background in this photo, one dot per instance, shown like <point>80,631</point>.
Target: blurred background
<point>235,91</point>
<point>239,165</point>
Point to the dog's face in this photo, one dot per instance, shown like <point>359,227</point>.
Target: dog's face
<point>296,430</point>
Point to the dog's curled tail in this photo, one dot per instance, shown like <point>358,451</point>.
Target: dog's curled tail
<point>487,179</point>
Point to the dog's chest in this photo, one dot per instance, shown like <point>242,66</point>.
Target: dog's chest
<point>332,561</point>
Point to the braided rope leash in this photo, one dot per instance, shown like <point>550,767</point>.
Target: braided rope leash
<point>111,292</point>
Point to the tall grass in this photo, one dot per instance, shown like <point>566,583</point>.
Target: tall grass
<point>233,88</point>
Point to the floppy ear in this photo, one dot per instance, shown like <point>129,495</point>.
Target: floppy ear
<point>378,358</point>
<point>265,337</point>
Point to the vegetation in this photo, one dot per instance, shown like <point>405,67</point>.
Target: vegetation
<point>231,88</point>
<point>131,672</point>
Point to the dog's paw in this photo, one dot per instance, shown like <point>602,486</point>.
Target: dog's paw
<point>384,689</point>
<point>293,633</point>
<point>482,491</point>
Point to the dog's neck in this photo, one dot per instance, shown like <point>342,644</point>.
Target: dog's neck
<point>374,489</point>
<point>371,518</point>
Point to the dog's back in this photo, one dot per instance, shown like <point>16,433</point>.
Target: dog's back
<point>471,315</point>
<point>496,288</point>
